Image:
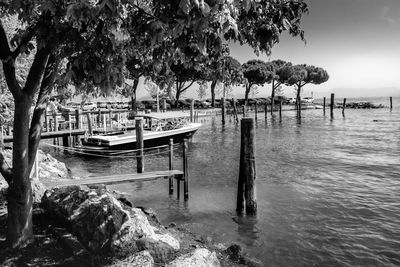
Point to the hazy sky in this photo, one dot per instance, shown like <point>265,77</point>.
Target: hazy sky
<point>356,41</point>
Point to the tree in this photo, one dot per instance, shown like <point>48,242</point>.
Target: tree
<point>300,75</point>
<point>92,41</point>
<point>276,78</point>
<point>256,72</point>
<point>202,90</point>
<point>184,77</point>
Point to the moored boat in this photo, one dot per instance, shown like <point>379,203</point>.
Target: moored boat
<point>157,131</point>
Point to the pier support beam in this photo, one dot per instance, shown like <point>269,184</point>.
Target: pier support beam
<point>324,104</point>
<point>391,102</point>
<point>139,144</point>
<point>332,103</point>
<point>246,197</point>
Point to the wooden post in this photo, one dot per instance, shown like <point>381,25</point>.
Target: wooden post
<point>55,120</point>
<point>104,123</point>
<point>46,118</point>
<point>192,110</point>
<point>164,105</point>
<point>89,120</point>
<point>391,102</point>
<point>139,144</point>
<point>78,119</point>
<point>344,105</point>
<point>246,187</point>
<point>332,103</point>
<point>324,104</point>
<point>266,109</point>
<point>223,109</point>
<point>280,108</point>
<point>244,110</point>
<point>235,110</point>
<point>110,117</point>
<point>255,110</point>
<point>99,118</point>
<point>185,170</point>
<point>171,164</point>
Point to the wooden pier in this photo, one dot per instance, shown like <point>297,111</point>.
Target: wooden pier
<point>119,179</point>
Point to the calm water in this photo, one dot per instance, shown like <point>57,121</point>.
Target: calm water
<point>328,190</point>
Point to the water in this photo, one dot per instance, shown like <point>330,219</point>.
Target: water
<point>328,190</point>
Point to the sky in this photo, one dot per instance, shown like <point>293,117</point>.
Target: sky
<point>356,41</point>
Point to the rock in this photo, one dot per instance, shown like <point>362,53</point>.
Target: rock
<point>160,251</point>
<point>38,190</point>
<point>95,217</point>
<point>139,259</point>
<point>201,257</point>
<point>234,252</point>
<point>168,239</point>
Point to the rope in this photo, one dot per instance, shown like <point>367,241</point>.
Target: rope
<point>78,151</point>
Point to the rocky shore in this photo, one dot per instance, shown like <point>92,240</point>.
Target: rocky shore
<point>82,226</point>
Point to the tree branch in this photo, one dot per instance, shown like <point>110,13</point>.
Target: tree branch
<point>5,170</point>
<point>4,47</point>
<point>36,71</point>
<point>184,89</point>
<point>46,88</point>
<point>8,64</point>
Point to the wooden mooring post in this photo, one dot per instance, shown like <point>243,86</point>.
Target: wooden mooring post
<point>89,121</point>
<point>280,109</point>
<point>139,144</point>
<point>223,109</point>
<point>185,170</point>
<point>344,105</point>
<point>171,165</point>
<point>255,110</point>
<point>332,103</point>
<point>246,197</point>
<point>391,102</point>
<point>235,113</point>
<point>324,104</point>
<point>192,110</point>
<point>266,109</point>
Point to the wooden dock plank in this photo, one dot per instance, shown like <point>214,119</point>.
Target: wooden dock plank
<point>119,178</point>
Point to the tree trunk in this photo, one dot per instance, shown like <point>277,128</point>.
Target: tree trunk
<point>177,96</point>
<point>19,197</point>
<point>133,96</point>
<point>213,85</point>
<point>246,94</point>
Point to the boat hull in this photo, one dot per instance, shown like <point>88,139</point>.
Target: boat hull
<point>150,140</point>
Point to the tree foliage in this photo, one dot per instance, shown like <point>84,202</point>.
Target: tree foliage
<point>256,72</point>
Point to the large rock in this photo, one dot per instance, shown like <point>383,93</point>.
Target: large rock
<point>49,167</point>
<point>101,222</point>
<point>38,190</point>
<point>161,252</point>
<point>140,259</point>
<point>201,257</point>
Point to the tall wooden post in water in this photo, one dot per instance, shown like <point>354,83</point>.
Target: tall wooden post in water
<point>139,144</point>
<point>185,170</point>
<point>332,103</point>
<point>324,104</point>
<point>266,109</point>
<point>192,110</point>
<point>223,109</point>
<point>255,110</point>
<point>391,102</point>
<point>246,197</point>
<point>89,120</point>
<point>280,109</point>
<point>171,165</point>
<point>344,105</point>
